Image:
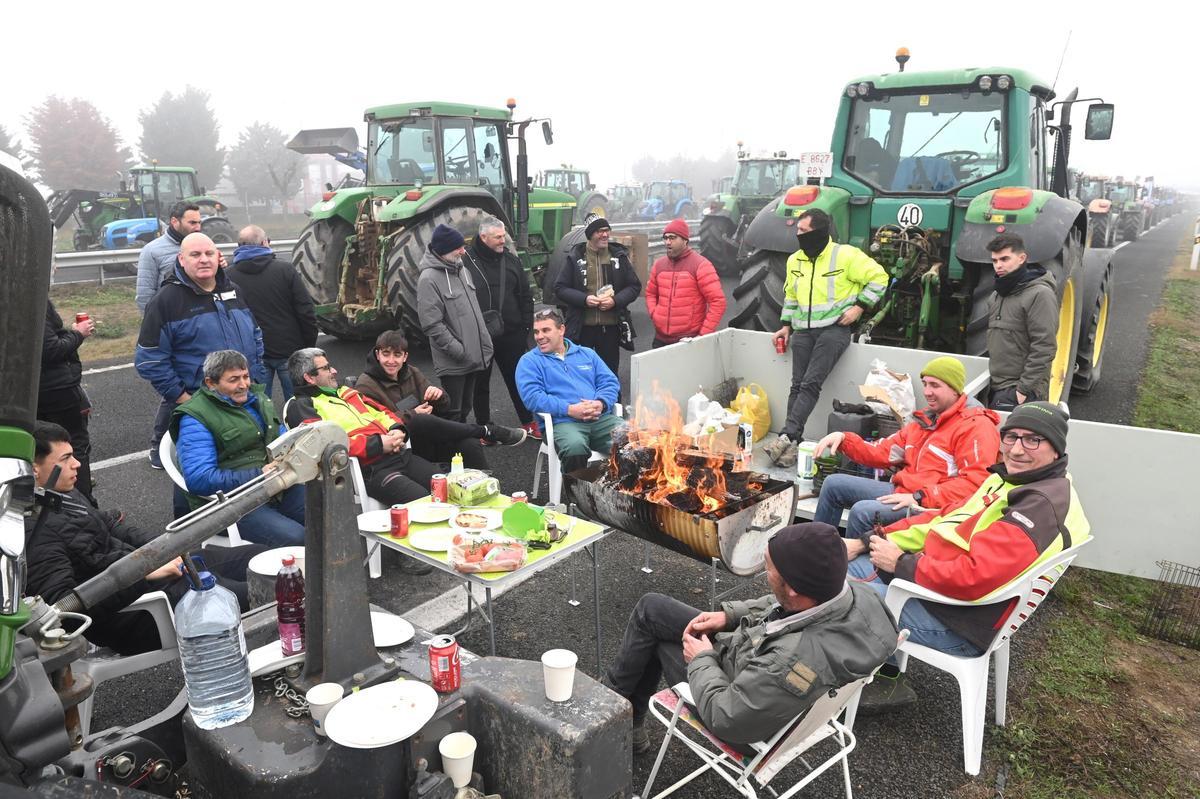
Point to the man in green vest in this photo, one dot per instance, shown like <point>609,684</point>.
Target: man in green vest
<point>221,436</point>
<point>1023,514</point>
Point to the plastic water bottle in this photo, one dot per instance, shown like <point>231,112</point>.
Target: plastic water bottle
<point>456,463</point>
<point>212,651</point>
<point>289,607</point>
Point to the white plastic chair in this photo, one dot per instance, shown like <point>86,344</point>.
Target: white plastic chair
<point>549,455</point>
<point>367,503</point>
<point>104,664</point>
<point>972,673</point>
<point>170,461</point>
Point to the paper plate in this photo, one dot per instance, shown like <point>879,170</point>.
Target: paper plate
<point>376,521</point>
<point>432,539</point>
<point>430,512</point>
<point>269,657</point>
<point>491,518</point>
<point>381,715</point>
<point>390,630</point>
<point>268,563</point>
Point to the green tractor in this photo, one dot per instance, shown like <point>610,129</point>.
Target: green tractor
<point>926,169</point>
<point>134,216</point>
<point>725,218</point>
<point>1093,193</point>
<point>623,201</point>
<point>578,184</point>
<point>428,163</point>
<point>1133,216</point>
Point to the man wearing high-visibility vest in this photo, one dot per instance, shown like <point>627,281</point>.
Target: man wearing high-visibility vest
<point>1023,514</point>
<point>825,291</point>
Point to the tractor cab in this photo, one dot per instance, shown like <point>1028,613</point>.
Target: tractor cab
<point>667,199</point>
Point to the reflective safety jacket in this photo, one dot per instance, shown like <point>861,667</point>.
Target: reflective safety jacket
<point>975,549</point>
<point>816,295</point>
<point>363,419</point>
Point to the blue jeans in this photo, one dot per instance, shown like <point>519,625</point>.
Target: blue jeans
<point>859,494</point>
<point>276,524</point>
<point>278,367</point>
<point>923,627</point>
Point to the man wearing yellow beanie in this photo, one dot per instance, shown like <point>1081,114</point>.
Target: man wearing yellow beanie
<point>940,457</point>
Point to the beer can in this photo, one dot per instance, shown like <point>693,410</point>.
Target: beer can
<point>445,668</point>
<point>781,345</point>
<point>399,521</point>
<point>81,317</point>
<point>438,488</point>
<point>520,496</point>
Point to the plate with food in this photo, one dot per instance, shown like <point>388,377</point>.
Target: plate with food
<point>432,539</point>
<point>430,512</point>
<point>476,519</point>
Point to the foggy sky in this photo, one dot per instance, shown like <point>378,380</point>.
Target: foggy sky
<point>619,80</point>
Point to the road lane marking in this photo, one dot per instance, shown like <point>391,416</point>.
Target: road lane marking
<point>1119,246</point>
<point>117,461</point>
<point>100,369</point>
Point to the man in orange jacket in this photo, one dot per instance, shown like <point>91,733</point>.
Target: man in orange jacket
<point>942,456</point>
<point>683,296</point>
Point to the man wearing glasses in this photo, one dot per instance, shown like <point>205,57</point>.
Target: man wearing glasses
<point>1026,512</point>
<point>683,295</point>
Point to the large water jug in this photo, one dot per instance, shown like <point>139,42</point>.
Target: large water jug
<point>212,650</point>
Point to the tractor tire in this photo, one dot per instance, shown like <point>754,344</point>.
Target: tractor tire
<point>717,245</point>
<point>589,203</point>
<point>318,257</point>
<point>1067,269</point>
<point>219,230</point>
<point>404,252</point>
<point>1130,228</point>
<point>1096,292</point>
<point>1097,232</point>
<point>758,298</point>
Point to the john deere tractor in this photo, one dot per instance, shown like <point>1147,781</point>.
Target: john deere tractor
<point>134,215</point>
<point>727,215</point>
<point>926,169</point>
<point>1133,216</point>
<point>578,184</point>
<point>428,163</point>
<point>623,201</point>
<point>1092,193</point>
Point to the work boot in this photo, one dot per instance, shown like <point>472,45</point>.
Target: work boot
<point>782,451</point>
<point>885,693</point>
<point>533,429</point>
<point>641,738</point>
<point>507,436</point>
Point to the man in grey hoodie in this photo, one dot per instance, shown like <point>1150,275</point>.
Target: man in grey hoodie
<point>452,320</point>
<point>1022,326</point>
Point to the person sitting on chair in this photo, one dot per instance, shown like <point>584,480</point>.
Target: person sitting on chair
<point>753,666</point>
<point>1026,512</point>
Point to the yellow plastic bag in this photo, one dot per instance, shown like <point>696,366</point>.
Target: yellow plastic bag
<point>751,403</point>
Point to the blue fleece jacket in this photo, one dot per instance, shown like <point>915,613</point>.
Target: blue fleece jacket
<point>548,384</point>
<point>200,471</point>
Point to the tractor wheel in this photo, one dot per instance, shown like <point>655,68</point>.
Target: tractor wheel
<point>1130,228</point>
<point>1096,292</point>
<point>404,252</point>
<point>717,244</point>
<point>318,256</point>
<point>758,297</point>
<point>589,203</point>
<point>1097,232</point>
<point>219,230</point>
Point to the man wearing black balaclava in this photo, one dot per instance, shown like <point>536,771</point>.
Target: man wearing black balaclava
<point>1022,326</point>
<point>827,288</point>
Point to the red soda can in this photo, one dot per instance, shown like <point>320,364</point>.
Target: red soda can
<point>445,668</point>
<point>520,496</point>
<point>399,521</point>
<point>438,488</point>
<point>81,317</point>
<point>780,345</point>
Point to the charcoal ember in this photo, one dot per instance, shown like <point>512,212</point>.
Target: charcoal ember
<point>701,477</point>
<point>739,483</point>
<point>685,501</point>
<point>631,462</point>
<point>692,458</point>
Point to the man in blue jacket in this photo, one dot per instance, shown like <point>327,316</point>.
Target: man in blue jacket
<point>572,384</point>
<point>197,311</point>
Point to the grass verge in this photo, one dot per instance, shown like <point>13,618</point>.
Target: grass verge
<point>111,307</point>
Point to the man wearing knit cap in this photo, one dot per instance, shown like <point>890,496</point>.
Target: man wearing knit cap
<point>683,295</point>
<point>940,457</point>
<point>452,320</point>
<point>753,666</point>
<point>597,283</point>
<point>1024,513</point>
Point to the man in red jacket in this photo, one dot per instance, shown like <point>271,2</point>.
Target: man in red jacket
<point>942,456</point>
<point>684,295</point>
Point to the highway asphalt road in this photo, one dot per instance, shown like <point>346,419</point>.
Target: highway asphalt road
<point>915,752</point>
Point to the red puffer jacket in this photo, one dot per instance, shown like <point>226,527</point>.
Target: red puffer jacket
<point>947,459</point>
<point>684,297</point>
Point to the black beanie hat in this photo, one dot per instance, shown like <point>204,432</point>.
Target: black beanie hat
<point>811,558</point>
<point>593,223</point>
<point>1043,418</point>
<point>445,239</point>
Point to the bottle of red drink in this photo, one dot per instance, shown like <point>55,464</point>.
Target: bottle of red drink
<point>289,596</point>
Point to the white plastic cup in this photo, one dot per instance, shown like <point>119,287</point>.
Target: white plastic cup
<point>558,670</point>
<point>458,757</point>
<point>321,698</point>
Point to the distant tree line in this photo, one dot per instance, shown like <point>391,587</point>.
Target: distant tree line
<point>72,144</point>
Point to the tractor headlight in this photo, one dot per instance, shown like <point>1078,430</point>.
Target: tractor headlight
<point>1003,83</point>
<point>864,89</point>
<point>851,90</point>
<point>985,83</point>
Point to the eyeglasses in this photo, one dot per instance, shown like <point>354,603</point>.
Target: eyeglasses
<point>1029,442</point>
<point>548,313</point>
<point>318,369</point>
<point>669,237</point>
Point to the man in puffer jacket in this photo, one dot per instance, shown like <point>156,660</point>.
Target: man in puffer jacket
<point>684,295</point>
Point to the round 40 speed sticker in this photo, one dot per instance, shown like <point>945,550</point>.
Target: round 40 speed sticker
<point>909,215</point>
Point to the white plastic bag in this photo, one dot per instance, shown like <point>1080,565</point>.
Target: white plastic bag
<point>697,404</point>
<point>895,390</point>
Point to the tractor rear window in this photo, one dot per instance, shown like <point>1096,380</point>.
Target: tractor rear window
<point>929,143</point>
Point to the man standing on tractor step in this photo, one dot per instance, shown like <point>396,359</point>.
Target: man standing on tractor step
<point>156,261</point>
<point>1022,326</point>
<point>683,295</point>
<point>597,283</point>
<point>827,288</point>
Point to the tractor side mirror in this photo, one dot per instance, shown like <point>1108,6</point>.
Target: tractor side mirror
<point>1099,121</point>
<point>547,133</point>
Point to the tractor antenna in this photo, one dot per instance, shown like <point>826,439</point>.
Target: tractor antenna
<point>1061,59</point>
